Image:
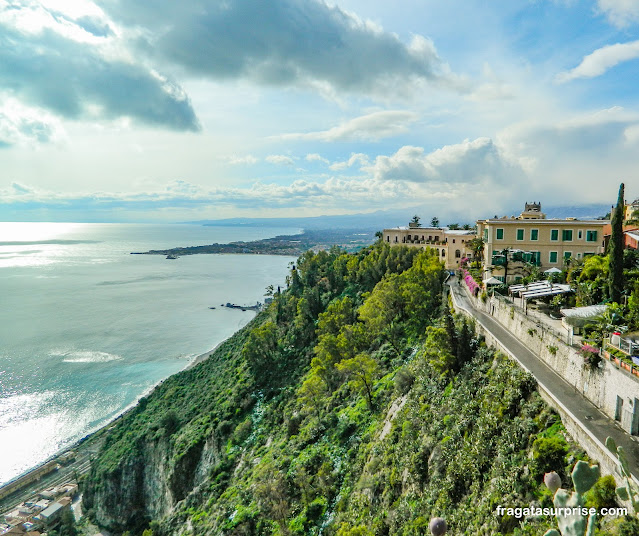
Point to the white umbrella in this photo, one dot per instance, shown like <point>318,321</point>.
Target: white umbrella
<point>493,281</point>
<point>552,270</point>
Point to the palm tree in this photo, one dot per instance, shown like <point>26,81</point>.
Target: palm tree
<point>477,247</point>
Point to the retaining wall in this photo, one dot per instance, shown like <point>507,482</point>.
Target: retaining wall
<point>601,386</point>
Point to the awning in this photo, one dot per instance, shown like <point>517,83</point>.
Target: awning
<point>580,316</point>
<point>550,290</point>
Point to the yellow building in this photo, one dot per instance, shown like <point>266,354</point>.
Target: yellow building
<point>631,211</point>
<point>451,245</point>
<point>530,238</point>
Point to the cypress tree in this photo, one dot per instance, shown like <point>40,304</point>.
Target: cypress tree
<point>615,250</point>
<point>450,329</point>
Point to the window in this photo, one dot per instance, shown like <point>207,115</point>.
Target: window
<point>457,254</point>
<point>534,234</point>
<point>520,234</point>
<point>554,234</point>
<point>567,255</point>
<point>486,235</point>
<point>580,234</point>
<point>396,239</point>
<point>566,235</point>
<point>443,252</point>
<point>553,257</point>
<point>591,236</point>
<point>500,234</point>
<point>387,238</point>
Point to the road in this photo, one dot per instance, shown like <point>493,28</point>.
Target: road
<point>585,412</point>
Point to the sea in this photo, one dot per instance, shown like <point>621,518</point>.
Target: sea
<point>86,328</point>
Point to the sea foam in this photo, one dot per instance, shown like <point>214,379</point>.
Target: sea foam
<point>86,356</point>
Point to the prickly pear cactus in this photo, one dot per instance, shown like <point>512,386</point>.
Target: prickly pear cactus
<point>628,491</point>
<point>584,477</point>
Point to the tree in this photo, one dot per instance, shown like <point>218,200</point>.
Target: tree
<point>361,370</point>
<point>434,222</point>
<point>477,247</point>
<point>312,393</point>
<point>415,219</point>
<point>505,252</point>
<point>453,226</point>
<point>260,351</point>
<point>615,250</point>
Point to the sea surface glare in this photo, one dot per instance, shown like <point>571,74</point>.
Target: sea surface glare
<point>86,328</point>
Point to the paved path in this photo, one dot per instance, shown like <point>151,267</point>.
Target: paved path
<point>588,416</point>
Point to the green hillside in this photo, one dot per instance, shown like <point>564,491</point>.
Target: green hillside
<point>355,405</point>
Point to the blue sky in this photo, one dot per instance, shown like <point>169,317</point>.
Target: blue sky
<point>148,110</point>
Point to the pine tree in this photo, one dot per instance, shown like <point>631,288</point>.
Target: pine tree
<point>615,250</point>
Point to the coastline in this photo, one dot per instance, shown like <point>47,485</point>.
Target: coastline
<point>84,442</point>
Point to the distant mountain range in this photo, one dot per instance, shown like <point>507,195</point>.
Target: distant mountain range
<point>379,220</point>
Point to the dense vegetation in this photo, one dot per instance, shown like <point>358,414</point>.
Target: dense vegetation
<point>355,405</point>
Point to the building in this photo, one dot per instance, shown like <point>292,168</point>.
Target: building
<point>532,240</point>
<point>631,239</point>
<point>631,212</point>
<point>450,245</point>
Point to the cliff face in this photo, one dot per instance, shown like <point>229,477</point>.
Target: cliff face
<point>148,485</point>
<point>165,448</point>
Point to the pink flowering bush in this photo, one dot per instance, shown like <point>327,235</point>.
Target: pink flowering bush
<point>591,356</point>
<point>470,282</point>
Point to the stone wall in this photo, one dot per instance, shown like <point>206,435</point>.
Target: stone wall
<point>600,386</point>
<point>569,364</point>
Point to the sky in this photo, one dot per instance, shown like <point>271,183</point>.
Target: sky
<point>147,110</point>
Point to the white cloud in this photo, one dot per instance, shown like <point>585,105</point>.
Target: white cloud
<point>632,134</point>
<point>291,43</point>
<point>315,157</point>
<point>370,127</point>
<point>578,160</point>
<point>466,162</point>
<point>242,160</point>
<point>23,125</point>
<point>280,160</point>
<point>78,68</point>
<point>356,158</point>
<point>621,13</point>
<point>601,60</point>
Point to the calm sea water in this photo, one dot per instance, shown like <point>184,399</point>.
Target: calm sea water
<point>86,328</point>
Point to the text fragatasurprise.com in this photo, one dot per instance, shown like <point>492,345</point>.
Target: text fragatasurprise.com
<point>532,511</point>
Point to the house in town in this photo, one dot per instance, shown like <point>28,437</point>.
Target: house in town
<point>450,245</point>
<point>512,245</point>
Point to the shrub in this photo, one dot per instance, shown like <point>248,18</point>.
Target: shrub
<point>170,422</point>
<point>591,356</point>
<point>553,349</point>
<point>404,380</point>
<point>549,454</point>
<point>602,494</point>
